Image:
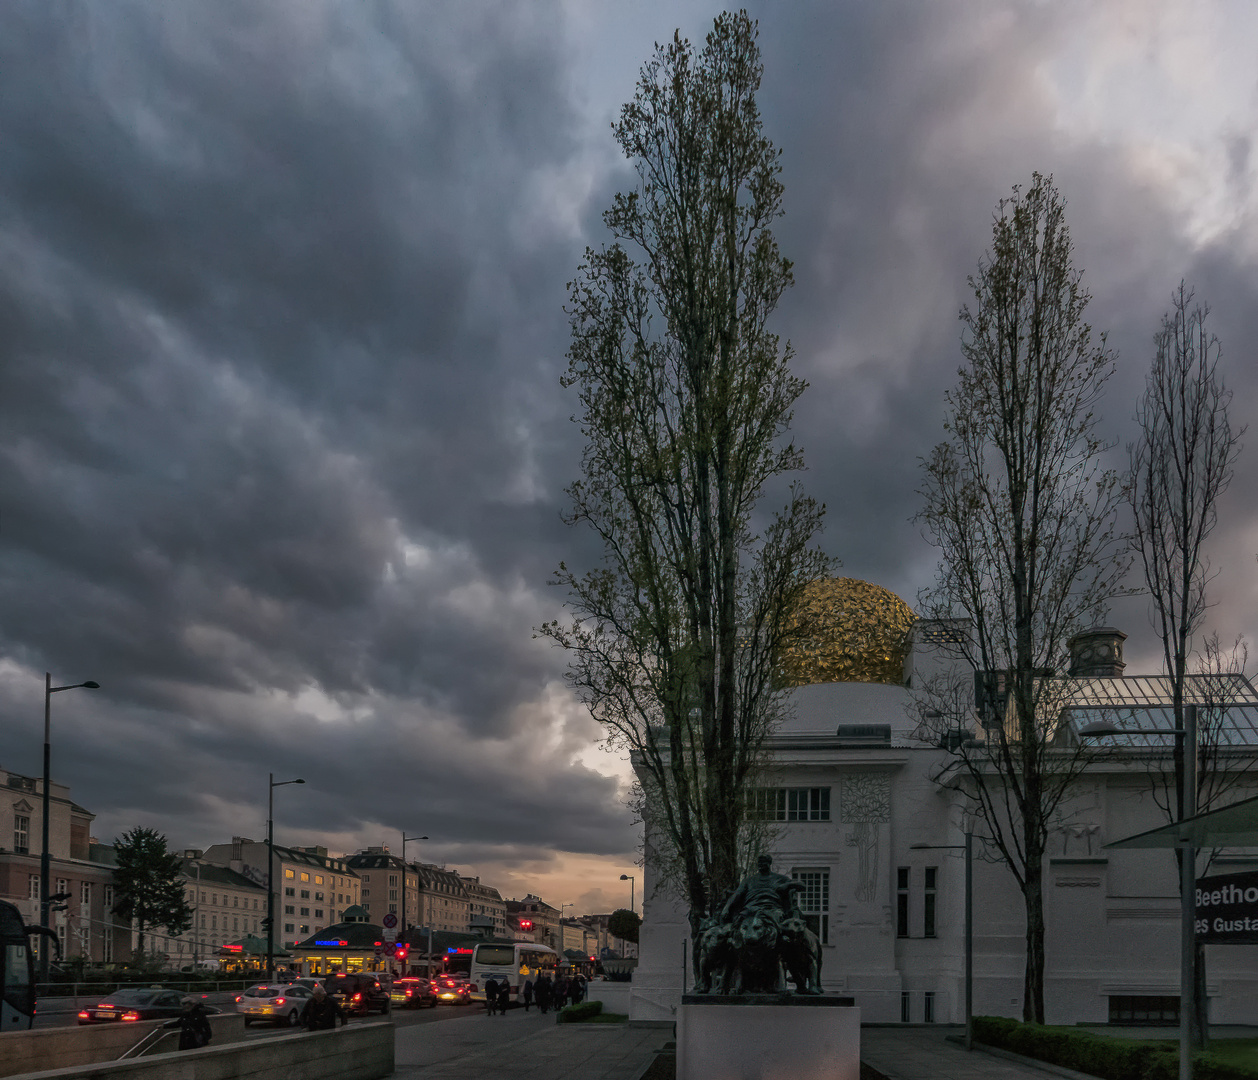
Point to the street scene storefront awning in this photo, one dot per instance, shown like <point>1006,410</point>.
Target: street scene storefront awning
<point>252,946</point>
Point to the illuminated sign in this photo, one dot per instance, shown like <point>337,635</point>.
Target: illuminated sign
<point>233,948</point>
<point>1227,909</point>
<point>317,942</point>
<point>459,952</point>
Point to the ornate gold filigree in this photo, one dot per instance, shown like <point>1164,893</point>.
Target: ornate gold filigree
<point>847,630</point>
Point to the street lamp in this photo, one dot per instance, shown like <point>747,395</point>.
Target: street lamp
<point>968,848</point>
<point>44,855</point>
<point>270,872</point>
<point>632,906</point>
<point>1186,751</point>
<point>406,840</point>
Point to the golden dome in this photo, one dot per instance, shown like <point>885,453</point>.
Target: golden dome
<point>849,631</point>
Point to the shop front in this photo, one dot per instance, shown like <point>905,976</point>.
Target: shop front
<point>346,948</point>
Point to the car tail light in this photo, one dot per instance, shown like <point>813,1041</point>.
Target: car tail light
<point>131,1016</point>
<point>279,1001</point>
<point>358,997</point>
<point>238,997</point>
<point>85,1015</point>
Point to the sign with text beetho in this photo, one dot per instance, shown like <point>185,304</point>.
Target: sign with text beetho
<point>1227,909</point>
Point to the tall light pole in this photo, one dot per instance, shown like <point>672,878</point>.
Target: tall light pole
<point>44,856</point>
<point>632,906</point>
<point>968,848</point>
<point>1186,751</point>
<point>402,922</point>
<point>270,871</point>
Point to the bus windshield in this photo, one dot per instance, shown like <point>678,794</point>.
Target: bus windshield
<point>495,955</point>
<point>17,1009</point>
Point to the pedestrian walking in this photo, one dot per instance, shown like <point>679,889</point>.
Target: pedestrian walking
<point>321,1011</point>
<point>194,1025</point>
<point>559,993</point>
<point>491,995</point>
<point>542,993</point>
<point>504,996</point>
<point>527,994</point>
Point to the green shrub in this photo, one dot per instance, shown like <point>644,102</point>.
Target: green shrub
<point>1111,1059</point>
<point>574,1014</point>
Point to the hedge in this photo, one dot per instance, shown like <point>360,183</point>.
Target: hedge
<point>574,1014</point>
<point>1099,1055</point>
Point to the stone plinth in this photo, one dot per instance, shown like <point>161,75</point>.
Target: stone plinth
<point>768,1037</point>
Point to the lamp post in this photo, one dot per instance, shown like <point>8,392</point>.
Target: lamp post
<point>1186,751</point>
<point>968,848</point>
<point>560,950</point>
<point>632,906</point>
<point>406,840</point>
<point>44,856</point>
<point>270,871</point>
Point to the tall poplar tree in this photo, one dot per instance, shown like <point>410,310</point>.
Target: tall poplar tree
<point>685,398</point>
<point>1023,513</point>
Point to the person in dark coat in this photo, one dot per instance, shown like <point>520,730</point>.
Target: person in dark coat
<point>321,1010</point>
<point>542,992</point>
<point>527,994</point>
<point>504,996</point>
<point>576,990</point>
<point>491,995</point>
<point>559,993</point>
<point>194,1025</point>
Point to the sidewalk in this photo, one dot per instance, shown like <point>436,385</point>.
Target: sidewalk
<point>524,1046</point>
<point>921,1053</point>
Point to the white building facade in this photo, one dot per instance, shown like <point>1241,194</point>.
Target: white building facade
<point>870,819</point>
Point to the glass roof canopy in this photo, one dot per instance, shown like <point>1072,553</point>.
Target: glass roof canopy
<point>1226,704</point>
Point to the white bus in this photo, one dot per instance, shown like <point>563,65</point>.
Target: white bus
<point>514,961</point>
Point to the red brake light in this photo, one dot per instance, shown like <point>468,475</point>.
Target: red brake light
<point>131,1016</point>
<point>279,1001</point>
<point>84,1015</point>
<point>358,997</point>
<point>238,997</point>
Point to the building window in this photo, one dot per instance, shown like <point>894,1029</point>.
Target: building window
<point>393,879</point>
<point>318,879</point>
<point>305,911</point>
<point>902,902</point>
<point>288,873</point>
<point>213,922</point>
<point>393,894</point>
<point>22,834</point>
<point>235,923</point>
<point>928,902</point>
<point>1144,1009</point>
<point>288,928</point>
<point>107,952</point>
<point>305,876</point>
<point>63,886</point>
<point>318,896</point>
<point>32,887</point>
<point>906,1007</point>
<point>305,928</point>
<point>203,896</point>
<point>289,891</point>
<point>318,913</point>
<point>366,893</point>
<point>85,893</point>
<point>928,1007</point>
<point>305,894</point>
<point>289,910</point>
<point>814,901</point>
<point>235,901</point>
<point>790,804</point>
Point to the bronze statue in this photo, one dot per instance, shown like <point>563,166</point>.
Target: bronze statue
<point>759,929</point>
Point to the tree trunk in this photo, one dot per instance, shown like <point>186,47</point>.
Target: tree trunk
<point>1033,983</point>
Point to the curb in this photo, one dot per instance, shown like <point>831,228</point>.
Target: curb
<point>1021,1059</point>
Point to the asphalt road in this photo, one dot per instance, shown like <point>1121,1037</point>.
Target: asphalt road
<point>52,1016</point>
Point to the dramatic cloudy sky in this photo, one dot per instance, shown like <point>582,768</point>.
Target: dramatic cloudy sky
<point>282,443</point>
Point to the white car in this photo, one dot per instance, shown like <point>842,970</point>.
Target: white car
<point>273,1004</point>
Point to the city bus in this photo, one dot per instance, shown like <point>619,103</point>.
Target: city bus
<point>17,971</point>
<point>514,961</point>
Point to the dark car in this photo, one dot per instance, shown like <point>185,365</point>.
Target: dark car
<point>358,994</point>
<point>153,1003</point>
<point>413,992</point>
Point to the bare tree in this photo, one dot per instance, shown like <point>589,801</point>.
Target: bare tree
<point>685,398</point>
<point>1180,466</point>
<point>1024,516</point>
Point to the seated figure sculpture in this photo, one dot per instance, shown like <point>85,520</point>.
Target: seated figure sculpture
<point>759,929</point>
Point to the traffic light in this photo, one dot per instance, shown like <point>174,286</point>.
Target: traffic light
<point>401,950</point>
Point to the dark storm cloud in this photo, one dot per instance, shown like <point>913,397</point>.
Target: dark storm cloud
<point>281,440</point>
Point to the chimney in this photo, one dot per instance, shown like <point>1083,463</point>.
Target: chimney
<point>1098,651</point>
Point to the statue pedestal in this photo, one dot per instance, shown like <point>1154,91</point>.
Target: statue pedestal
<point>768,1037</point>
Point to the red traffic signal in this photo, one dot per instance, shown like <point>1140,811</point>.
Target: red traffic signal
<point>401,950</point>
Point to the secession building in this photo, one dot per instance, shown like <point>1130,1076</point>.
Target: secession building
<point>870,811</point>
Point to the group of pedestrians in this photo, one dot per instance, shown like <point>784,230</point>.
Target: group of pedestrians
<point>546,993</point>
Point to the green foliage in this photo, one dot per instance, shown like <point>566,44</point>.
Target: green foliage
<point>576,1014</point>
<point>1099,1055</point>
<point>149,885</point>
<point>685,400</point>
<point>623,923</point>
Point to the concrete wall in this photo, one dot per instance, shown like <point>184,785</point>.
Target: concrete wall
<point>613,995</point>
<point>62,1047</point>
<point>357,1052</point>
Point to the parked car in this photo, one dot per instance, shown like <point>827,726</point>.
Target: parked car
<point>413,992</point>
<point>359,993</point>
<point>276,1004</point>
<point>150,1003</point>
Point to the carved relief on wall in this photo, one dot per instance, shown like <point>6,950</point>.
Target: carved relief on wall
<point>866,802</point>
